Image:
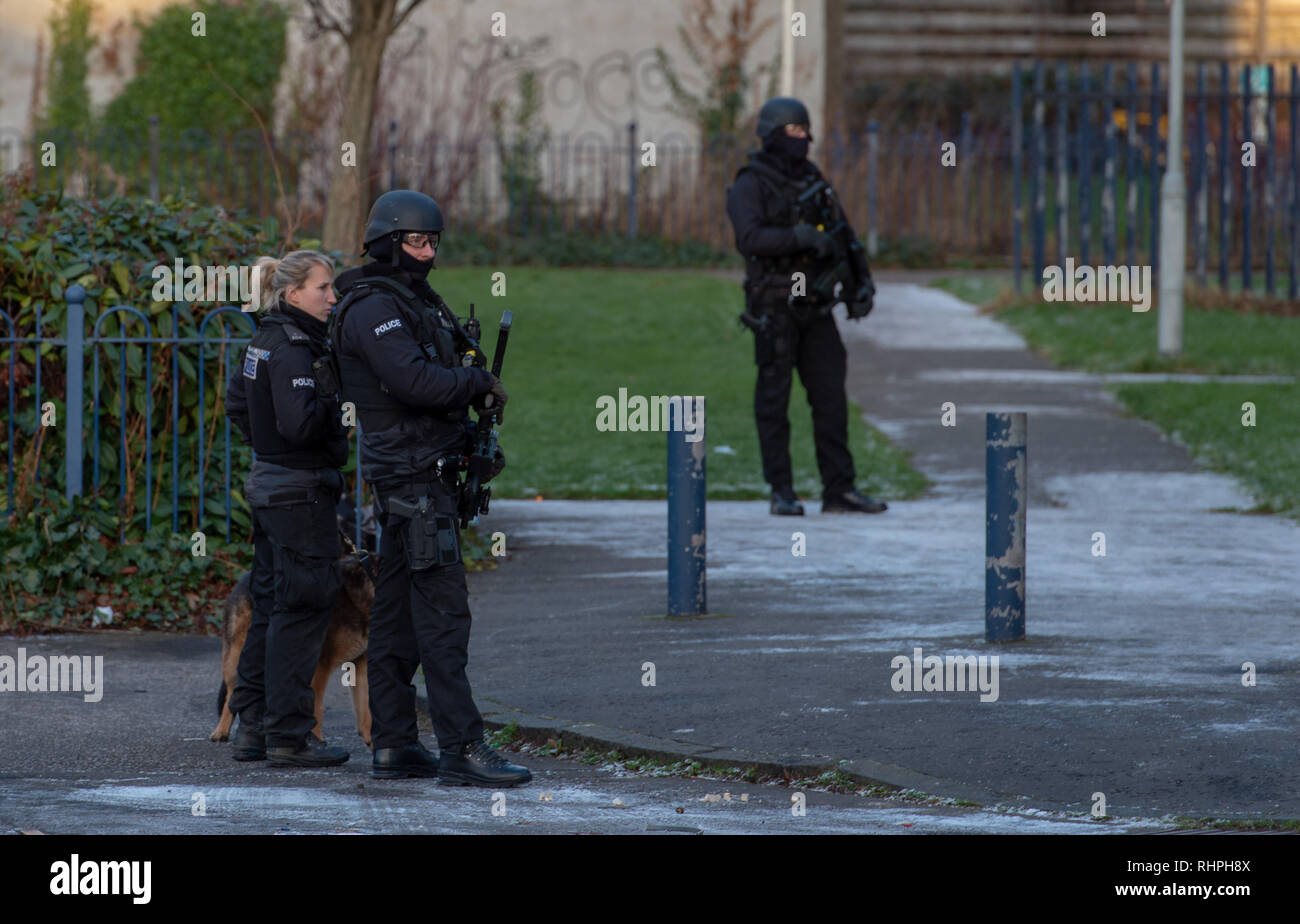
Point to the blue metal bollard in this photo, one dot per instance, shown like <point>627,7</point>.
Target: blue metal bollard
<point>686,496</point>
<point>74,396</point>
<point>1004,524</point>
<point>1017,166</point>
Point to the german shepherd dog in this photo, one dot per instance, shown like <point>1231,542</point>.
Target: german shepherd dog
<point>345,640</point>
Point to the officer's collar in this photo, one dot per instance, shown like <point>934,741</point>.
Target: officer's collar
<point>284,313</point>
<point>778,161</point>
<point>349,278</point>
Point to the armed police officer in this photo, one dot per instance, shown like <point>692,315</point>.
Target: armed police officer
<point>285,402</point>
<point>412,371</point>
<point>801,259</point>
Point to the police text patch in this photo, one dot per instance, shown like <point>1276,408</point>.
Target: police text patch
<point>387,326</point>
<point>303,381</point>
<point>250,361</point>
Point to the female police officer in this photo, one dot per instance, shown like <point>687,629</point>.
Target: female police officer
<point>293,421</point>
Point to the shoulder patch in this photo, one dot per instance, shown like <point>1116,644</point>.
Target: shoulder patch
<point>251,359</point>
<point>388,325</point>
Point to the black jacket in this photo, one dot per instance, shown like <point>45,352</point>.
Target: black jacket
<point>398,363</point>
<point>296,432</point>
<point>763,220</point>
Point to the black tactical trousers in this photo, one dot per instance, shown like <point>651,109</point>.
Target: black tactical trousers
<point>812,346</point>
<point>419,618</point>
<point>280,655</point>
<point>248,699</point>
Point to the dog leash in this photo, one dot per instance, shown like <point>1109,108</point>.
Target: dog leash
<point>362,556</point>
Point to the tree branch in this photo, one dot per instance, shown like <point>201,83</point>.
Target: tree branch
<point>324,20</point>
<point>401,16</point>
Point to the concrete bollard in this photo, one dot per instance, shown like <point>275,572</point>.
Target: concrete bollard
<point>1004,525</point>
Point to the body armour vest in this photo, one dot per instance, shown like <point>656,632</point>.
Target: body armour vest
<point>271,402</point>
<point>779,209</point>
<point>398,439</point>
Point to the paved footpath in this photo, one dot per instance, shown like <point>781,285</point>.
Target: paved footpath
<point>1128,685</point>
<point>1130,681</point>
<point>138,761</point>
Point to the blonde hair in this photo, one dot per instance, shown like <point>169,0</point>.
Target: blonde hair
<point>277,276</point>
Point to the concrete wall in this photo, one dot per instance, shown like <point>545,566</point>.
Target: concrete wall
<point>580,35</point>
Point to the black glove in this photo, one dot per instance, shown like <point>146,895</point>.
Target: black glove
<point>806,237</point>
<point>494,399</point>
<point>863,301</point>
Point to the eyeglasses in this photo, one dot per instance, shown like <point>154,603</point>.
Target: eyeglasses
<point>418,239</point>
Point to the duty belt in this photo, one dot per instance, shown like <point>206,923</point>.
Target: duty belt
<point>444,476</point>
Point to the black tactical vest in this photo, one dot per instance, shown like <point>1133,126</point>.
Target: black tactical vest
<point>376,408</point>
<point>779,209</point>
<point>326,449</point>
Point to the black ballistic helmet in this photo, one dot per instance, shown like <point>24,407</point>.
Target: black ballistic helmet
<point>401,210</point>
<point>778,112</point>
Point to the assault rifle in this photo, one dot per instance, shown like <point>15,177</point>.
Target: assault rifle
<point>474,492</point>
<point>819,207</point>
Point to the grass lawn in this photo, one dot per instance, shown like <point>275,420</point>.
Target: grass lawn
<point>582,333</point>
<point>1207,418</point>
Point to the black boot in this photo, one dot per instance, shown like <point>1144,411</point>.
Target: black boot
<point>410,760</point>
<point>311,753</point>
<point>476,764</point>
<point>250,740</point>
<point>786,504</point>
<point>852,501</point>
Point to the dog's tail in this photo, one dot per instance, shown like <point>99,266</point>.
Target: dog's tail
<point>221,697</point>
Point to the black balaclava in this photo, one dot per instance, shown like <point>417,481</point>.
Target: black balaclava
<point>382,250</point>
<point>792,150</point>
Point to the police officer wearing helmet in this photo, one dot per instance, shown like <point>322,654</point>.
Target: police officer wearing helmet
<point>791,319</point>
<point>403,363</point>
<point>285,402</point>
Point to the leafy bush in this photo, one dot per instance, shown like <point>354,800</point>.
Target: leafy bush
<point>67,100</point>
<point>110,246</point>
<point>518,147</point>
<point>62,562</point>
<point>910,251</point>
<point>179,76</point>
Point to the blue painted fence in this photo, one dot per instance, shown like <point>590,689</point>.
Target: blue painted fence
<point>213,355</point>
<point>1098,134</point>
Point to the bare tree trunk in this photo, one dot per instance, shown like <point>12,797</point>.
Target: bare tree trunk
<point>371,25</point>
